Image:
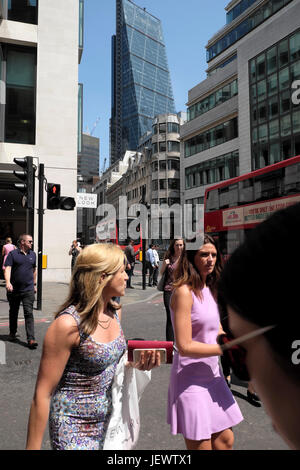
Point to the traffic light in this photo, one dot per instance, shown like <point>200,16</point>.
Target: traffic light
<point>56,201</point>
<point>27,175</point>
<point>53,196</point>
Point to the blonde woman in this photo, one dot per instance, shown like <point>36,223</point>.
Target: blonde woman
<point>81,350</point>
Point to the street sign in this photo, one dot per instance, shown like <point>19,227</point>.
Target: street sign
<point>87,200</point>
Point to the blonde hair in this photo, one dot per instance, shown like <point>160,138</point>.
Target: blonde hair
<point>8,240</point>
<point>86,288</point>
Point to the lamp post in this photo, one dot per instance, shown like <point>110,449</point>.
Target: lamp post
<point>144,238</point>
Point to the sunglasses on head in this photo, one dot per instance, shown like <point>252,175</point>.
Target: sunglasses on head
<point>236,354</point>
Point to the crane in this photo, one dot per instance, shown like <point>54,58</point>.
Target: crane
<point>93,128</point>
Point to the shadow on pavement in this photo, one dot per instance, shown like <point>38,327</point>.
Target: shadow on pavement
<point>16,341</point>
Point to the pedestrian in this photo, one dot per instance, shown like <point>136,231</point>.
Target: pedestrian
<point>7,248</point>
<point>74,251</point>
<point>130,255</point>
<point>156,264</point>
<point>171,258</point>
<point>200,405</point>
<point>20,277</point>
<point>261,294</point>
<point>150,263</point>
<point>81,351</point>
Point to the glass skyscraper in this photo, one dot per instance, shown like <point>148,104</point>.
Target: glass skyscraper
<point>141,84</point>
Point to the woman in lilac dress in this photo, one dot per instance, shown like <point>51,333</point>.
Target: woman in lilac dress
<point>81,351</point>
<point>200,405</point>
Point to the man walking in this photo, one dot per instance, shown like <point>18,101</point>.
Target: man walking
<point>156,267</point>
<point>130,255</point>
<point>150,263</point>
<point>20,277</point>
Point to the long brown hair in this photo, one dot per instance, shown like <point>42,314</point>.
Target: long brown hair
<point>187,273</point>
<point>86,288</point>
<point>171,250</point>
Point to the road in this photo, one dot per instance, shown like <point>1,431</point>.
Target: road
<point>143,319</point>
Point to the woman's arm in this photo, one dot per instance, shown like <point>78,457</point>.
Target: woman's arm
<point>164,266</point>
<point>182,302</point>
<point>60,338</point>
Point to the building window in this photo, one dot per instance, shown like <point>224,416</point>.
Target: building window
<point>162,128</point>
<point>162,165</point>
<point>163,184</point>
<point>173,127</point>
<point>274,124</point>
<point>18,113</point>
<point>162,147</point>
<point>174,183</point>
<point>260,15</point>
<point>24,11</point>
<point>212,137</point>
<point>173,165</point>
<point>212,171</point>
<point>173,146</point>
<point>213,100</point>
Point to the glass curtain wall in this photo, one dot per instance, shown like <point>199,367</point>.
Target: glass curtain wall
<point>146,88</point>
<point>275,119</point>
<point>20,95</point>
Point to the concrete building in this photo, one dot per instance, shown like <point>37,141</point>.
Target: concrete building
<point>141,84</point>
<point>154,168</point>
<point>88,158</point>
<point>41,44</point>
<point>242,117</point>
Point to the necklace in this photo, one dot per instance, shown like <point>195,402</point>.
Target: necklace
<point>105,322</point>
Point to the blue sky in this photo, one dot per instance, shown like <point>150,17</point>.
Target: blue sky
<point>187,26</point>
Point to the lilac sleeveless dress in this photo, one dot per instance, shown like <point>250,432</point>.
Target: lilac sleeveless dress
<point>81,404</point>
<point>199,400</point>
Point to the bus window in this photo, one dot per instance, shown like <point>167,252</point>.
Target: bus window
<point>268,186</point>
<point>246,191</point>
<point>229,196</point>
<point>212,202</point>
<point>229,241</point>
<point>291,179</point>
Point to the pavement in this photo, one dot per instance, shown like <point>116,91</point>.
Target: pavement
<point>54,294</point>
<point>143,316</point>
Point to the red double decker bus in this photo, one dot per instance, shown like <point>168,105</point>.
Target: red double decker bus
<point>107,231</point>
<point>234,207</point>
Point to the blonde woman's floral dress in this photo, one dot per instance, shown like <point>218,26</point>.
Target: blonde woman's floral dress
<point>81,404</point>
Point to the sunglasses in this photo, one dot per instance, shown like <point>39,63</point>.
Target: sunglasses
<point>236,354</point>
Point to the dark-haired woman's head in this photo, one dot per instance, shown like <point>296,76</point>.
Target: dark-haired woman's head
<point>201,267</point>
<point>259,287</point>
<point>176,248</point>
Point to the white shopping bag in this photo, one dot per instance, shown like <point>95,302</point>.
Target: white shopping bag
<point>124,425</point>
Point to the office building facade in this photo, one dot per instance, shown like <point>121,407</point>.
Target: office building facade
<point>141,84</point>
<point>40,47</point>
<point>242,117</point>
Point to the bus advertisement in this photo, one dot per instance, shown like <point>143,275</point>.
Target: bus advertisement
<point>234,207</point>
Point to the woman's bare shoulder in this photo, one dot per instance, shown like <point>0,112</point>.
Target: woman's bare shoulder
<point>63,327</point>
<point>182,293</point>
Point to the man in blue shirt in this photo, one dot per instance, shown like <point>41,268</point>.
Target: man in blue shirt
<point>20,277</point>
<point>150,263</point>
